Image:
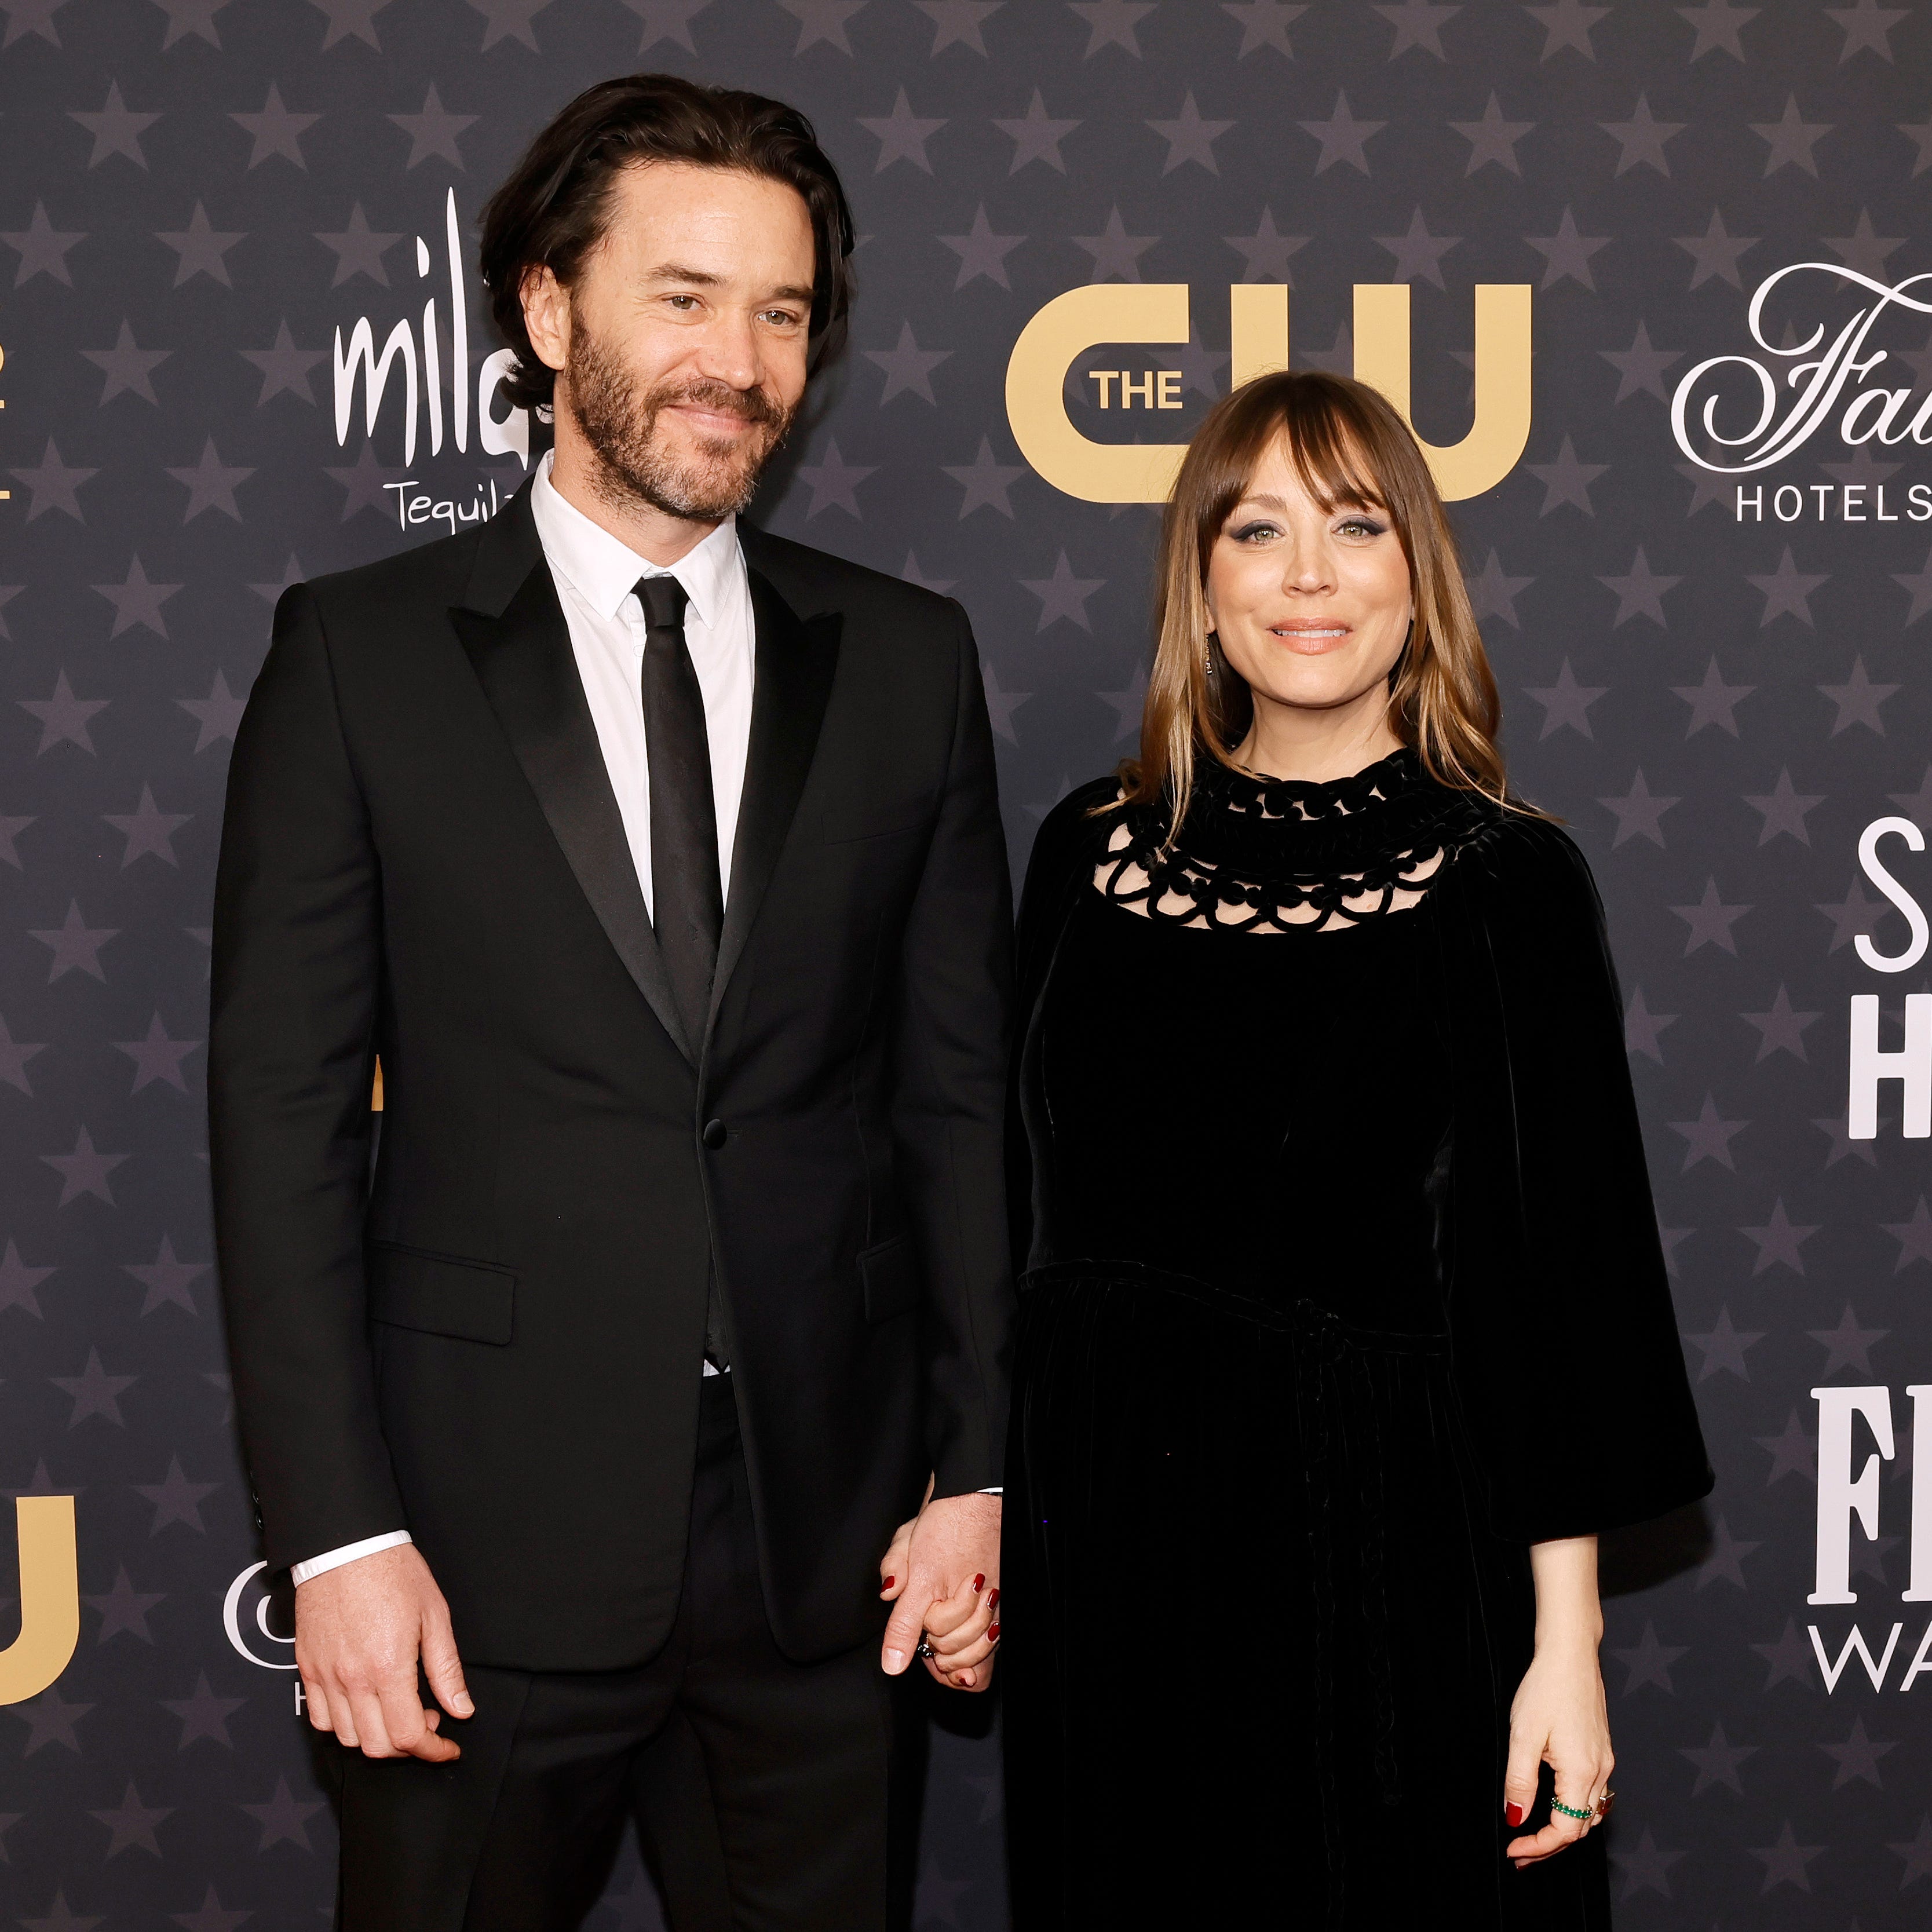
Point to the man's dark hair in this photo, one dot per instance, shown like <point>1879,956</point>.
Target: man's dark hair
<point>556,204</point>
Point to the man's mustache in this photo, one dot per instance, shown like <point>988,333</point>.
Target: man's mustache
<point>753,405</point>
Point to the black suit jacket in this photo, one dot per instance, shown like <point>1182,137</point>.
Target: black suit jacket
<point>497,1345</point>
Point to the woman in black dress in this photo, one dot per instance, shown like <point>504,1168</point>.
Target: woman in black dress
<point>1344,1327</point>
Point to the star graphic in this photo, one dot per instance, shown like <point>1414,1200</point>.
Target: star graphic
<point>902,135</point>
<point>1036,136</point>
<point>664,20</point>
<point>363,480</point>
<point>1418,23</point>
<point>1719,24</point>
<point>1567,480</point>
<point>1641,138</point>
<point>1914,1236</point>
<point>1779,1240</point>
<point>1716,1762</point>
<point>83,1171</point>
<point>1792,1453</point>
<point>124,1609</point>
<point>191,16</point>
<point>14,1055</point>
<point>202,250</point>
<point>1708,1137</point>
<point>1917,805</point>
<point>282,1816</point>
<point>1127,706</point>
<point>166,1279</point>
<point>1858,699</point>
<point>1851,918</point>
<point>1716,252</point>
<point>1567,24</point>
<point>359,250</point>
<point>218,714</point>
<point>156,1057</point>
<point>1114,251</point>
<point>912,574</point>
<point>1917,1853</point>
<point>271,594</point>
<point>350,19</point>
<point>1063,595</point>
<point>8,591</point>
<point>1723,1350</point>
<point>116,129</point>
<point>1780,1031</point>
<point>908,368</point>
<point>128,368</point>
<point>986,480</point>
<point>10,829</point>
<point>202,1714</point>
<point>1566,703</point>
<point>1919,584</point>
<point>1864,250</point>
<point>822,20</point>
<point>1847,1346</point>
<point>958,22</point>
<point>284,368</point>
<point>148,830</point>
<point>1111,23</point>
<point>18,1282</point>
<point>30,16</point>
<point>1784,810</point>
<point>136,601</point>
<point>1726,1559</point>
<point>176,1500</point>
<point>1639,812</point>
<point>1493,139</point>
<point>1785,1862</point>
<point>210,1917</point>
<point>1567,252</point>
<point>433,131</point>
<point>50,1719</point>
<point>1648,1661</point>
<point>1189,138</point>
<point>134,1824</point>
<point>834,482</point>
<point>210,484</point>
<point>1790,1657</point>
<point>1866,26</point>
<point>42,248</point>
<point>1267,251</point>
<point>1920,133</point>
<point>1710,921</point>
<point>981,252</point>
<point>1640,367</point>
<point>276,130</point>
<point>74,945</point>
<point>1842,1143</point>
<point>1642,1027</point>
<point>1647,1867</point>
<point>94,1391</point>
<point>1792,139</point>
<point>1001,704</point>
<point>1342,137</point>
<point>1712,702</point>
<point>1418,254</point>
<point>54,485</point>
<point>1338,359</point>
<point>1493,593</point>
<point>63,717</point>
<point>1640,591</point>
<point>1705,487</point>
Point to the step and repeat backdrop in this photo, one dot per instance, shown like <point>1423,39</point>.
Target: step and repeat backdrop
<point>1653,281</point>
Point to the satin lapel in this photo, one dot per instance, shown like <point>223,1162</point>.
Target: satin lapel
<point>520,651</point>
<point>794,662</point>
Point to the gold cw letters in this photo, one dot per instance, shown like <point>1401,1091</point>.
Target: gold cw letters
<point>1082,319</point>
<point>49,1598</point>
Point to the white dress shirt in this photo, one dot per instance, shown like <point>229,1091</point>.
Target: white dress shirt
<point>595,576</point>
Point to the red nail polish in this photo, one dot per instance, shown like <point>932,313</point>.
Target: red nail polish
<point>993,1599</point>
<point>889,1583</point>
<point>980,1581</point>
<point>992,1632</point>
<point>1513,1814</point>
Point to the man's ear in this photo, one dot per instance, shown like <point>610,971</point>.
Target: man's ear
<point>547,315</point>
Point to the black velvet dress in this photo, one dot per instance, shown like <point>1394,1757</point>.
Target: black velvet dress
<point>1342,1287</point>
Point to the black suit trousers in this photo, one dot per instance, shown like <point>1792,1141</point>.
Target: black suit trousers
<point>770,1796</point>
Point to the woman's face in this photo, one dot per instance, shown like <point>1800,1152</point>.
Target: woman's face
<point>1312,607</point>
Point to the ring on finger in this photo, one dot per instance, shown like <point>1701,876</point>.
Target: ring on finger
<point>1587,1814</point>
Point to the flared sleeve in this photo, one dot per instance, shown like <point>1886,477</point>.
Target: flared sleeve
<point>1568,1365</point>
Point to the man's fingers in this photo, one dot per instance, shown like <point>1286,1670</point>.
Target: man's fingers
<point>903,1628</point>
<point>372,1734</point>
<point>410,1734</point>
<point>316,1698</point>
<point>442,1667</point>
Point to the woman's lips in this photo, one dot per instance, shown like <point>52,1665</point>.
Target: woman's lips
<point>1311,638</point>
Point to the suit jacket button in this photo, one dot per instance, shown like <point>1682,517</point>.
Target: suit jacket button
<point>714,1135</point>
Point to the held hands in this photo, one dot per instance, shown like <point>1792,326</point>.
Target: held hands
<point>358,1631</point>
<point>1559,1718</point>
<point>942,1577</point>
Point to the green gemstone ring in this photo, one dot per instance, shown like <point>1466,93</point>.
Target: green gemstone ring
<point>1571,1810</point>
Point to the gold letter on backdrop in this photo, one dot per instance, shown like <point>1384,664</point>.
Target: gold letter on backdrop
<point>1489,452</point>
<point>49,1598</point>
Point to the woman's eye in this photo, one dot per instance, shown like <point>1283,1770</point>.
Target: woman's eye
<point>1255,532</point>
<point>1362,526</point>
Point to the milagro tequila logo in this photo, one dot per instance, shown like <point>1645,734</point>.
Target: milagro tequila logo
<point>412,356</point>
<point>1733,415</point>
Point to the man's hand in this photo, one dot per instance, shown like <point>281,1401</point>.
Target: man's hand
<point>942,1575</point>
<point>358,1631</point>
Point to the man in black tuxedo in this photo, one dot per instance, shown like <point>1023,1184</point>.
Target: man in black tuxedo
<point>659,860</point>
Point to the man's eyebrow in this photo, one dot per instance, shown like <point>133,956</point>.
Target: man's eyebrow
<point>703,278</point>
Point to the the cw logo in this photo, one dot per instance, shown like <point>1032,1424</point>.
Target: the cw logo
<point>1107,312</point>
<point>49,1598</point>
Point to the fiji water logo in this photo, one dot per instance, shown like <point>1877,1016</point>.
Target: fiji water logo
<point>412,356</point>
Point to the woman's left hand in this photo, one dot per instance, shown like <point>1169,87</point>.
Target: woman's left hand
<point>1559,1718</point>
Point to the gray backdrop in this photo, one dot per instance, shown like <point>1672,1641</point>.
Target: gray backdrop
<point>198,195</point>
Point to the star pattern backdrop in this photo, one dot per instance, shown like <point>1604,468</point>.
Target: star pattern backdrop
<point>202,193</point>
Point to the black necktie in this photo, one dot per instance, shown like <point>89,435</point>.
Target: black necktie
<point>687,900</point>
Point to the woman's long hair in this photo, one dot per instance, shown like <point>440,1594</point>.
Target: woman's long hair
<point>1348,447</point>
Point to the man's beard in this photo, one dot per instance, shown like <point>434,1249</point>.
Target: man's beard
<point>635,462</point>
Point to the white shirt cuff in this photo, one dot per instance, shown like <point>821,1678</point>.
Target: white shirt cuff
<point>334,1559</point>
<point>998,1490</point>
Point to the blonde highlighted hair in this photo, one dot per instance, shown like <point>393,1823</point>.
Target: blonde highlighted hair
<point>1348,447</point>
